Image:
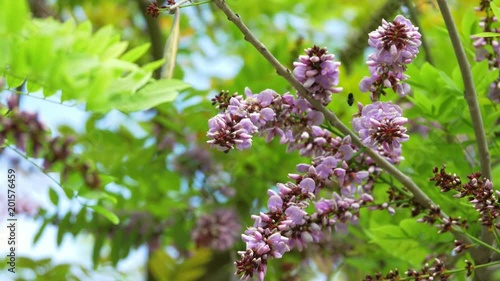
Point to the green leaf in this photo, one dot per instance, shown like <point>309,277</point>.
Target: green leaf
<point>40,231</point>
<point>81,222</point>
<point>97,195</point>
<point>106,213</point>
<point>151,95</point>
<point>54,197</point>
<point>171,48</point>
<point>152,66</point>
<point>116,246</point>
<point>487,34</point>
<point>13,16</point>
<point>495,9</point>
<point>96,251</point>
<point>136,53</point>
<point>63,225</point>
<point>114,50</point>
<point>469,23</point>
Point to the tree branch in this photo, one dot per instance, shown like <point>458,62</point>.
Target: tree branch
<point>482,254</point>
<point>470,92</point>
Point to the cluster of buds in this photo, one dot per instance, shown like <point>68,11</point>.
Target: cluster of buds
<point>30,135</point>
<point>396,44</point>
<point>22,126</point>
<point>460,246</point>
<point>318,73</point>
<point>427,273</point>
<point>479,191</point>
<point>155,9</point>
<point>445,224</point>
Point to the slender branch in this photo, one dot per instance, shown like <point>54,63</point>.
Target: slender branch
<point>23,94</point>
<point>35,164</point>
<point>176,5</point>
<point>482,254</point>
<point>470,92</point>
<point>478,241</point>
<point>451,271</point>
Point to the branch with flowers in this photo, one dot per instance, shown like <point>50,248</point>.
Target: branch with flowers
<point>295,120</point>
<point>328,193</point>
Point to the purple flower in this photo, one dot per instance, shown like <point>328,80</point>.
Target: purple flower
<point>318,73</point>
<point>396,41</point>
<point>381,124</point>
<point>307,185</point>
<point>396,45</point>
<point>324,206</point>
<point>325,169</point>
<point>275,203</point>
<point>296,215</point>
<point>218,230</point>
<point>226,133</point>
<point>278,245</point>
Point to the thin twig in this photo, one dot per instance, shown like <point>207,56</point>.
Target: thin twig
<point>481,254</point>
<point>176,5</point>
<point>34,164</point>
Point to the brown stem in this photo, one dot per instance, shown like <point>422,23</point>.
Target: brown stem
<point>40,9</point>
<point>155,35</point>
<point>481,254</point>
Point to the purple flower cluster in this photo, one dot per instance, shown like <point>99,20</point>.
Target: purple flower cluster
<point>381,126</point>
<point>287,225</point>
<point>271,115</point>
<point>336,163</point>
<point>217,230</point>
<point>396,44</point>
<point>318,73</point>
